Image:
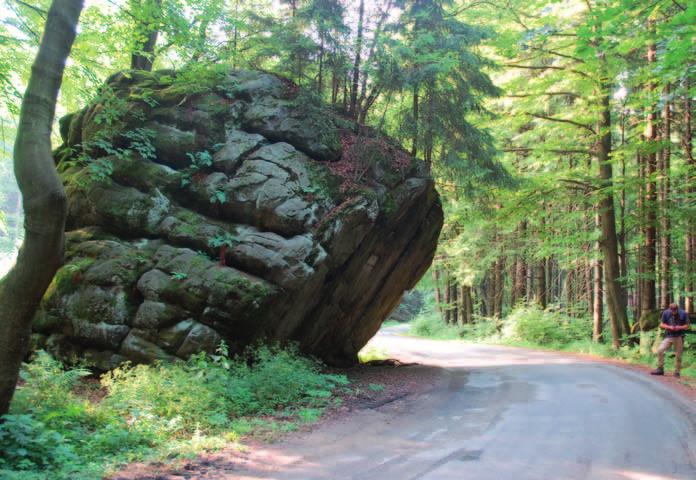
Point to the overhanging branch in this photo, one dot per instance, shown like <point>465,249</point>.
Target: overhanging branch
<point>563,120</point>
<point>561,151</point>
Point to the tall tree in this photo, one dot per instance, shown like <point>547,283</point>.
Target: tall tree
<point>147,17</point>
<point>42,193</point>
<point>353,110</point>
<point>648,293</point>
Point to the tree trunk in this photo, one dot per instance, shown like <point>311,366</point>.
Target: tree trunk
<point>320,80</point>
<point>363,109</point>
<point>647,298</point>
<point>665,226</point>
<point>540,275</point>
<point>415,112</point>
<point>454,299</point>
<point>540,283</point>
<point>469,305</point>
<point>446,304</point>
<point>615,293</point>
<point>623,255</point>
<point>438,292</point>
<point>639,247</point>
<point>499,287</point>
<point>598,304</point>
<point>690,239</point>
<point>345,93</point>
<point>588,264</point>
<point>513,277</point>
<point>569,280</point>
<point>334,87</point>
<point>461,305</point>
<point>42,193</point>
<point>490,292</point>
<point>519,283</point>
<point>144,55</point>
<point>356,66</point>
<point>235,36</point>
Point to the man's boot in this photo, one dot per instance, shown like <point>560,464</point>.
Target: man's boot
<point>658,371</point>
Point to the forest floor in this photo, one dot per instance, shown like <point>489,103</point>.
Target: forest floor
<point>481,412</point>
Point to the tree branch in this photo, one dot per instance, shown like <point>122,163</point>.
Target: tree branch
<point>38,10</point>
<point>544,94</point>
<point>546,67</point>
<point>563,120</point>
<point>681,7</point>
<point>558,54</point>
<point>561,151</point>
<point>584,185</point>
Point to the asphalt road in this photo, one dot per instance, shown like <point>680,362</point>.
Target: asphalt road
<point>498,413</point>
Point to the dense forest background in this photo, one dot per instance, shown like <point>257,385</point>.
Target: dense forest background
<point>559,132</point>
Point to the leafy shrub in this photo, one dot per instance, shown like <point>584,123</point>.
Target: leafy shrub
<point>27,444</point>
<point>153,410</point>
<point>532,325</point>
<point>372,353</point>
<point>47,385</point>
<point>279,378</point>
<point>481,329</point>
<point>205,393</point>
<point>430,324</point>
<point>167,399</point>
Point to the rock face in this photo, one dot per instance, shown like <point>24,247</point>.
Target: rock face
<point>234,207</point>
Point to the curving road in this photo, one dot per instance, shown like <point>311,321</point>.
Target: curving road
<point>498,413</point>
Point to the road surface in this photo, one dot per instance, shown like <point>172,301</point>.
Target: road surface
<point>498,413</point>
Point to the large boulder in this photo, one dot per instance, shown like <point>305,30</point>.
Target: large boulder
<point>229,206</point>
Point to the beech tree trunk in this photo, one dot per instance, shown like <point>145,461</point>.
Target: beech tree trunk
<point>42,193</point>
<point>144,55</point>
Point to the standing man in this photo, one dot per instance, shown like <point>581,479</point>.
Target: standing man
<point>675,322</point>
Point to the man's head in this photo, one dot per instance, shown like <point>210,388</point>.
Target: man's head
<point>674,307</point>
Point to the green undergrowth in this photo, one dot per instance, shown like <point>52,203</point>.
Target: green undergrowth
<point>62,425</point>
<point>531,327</point>
<point>372,353</point>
